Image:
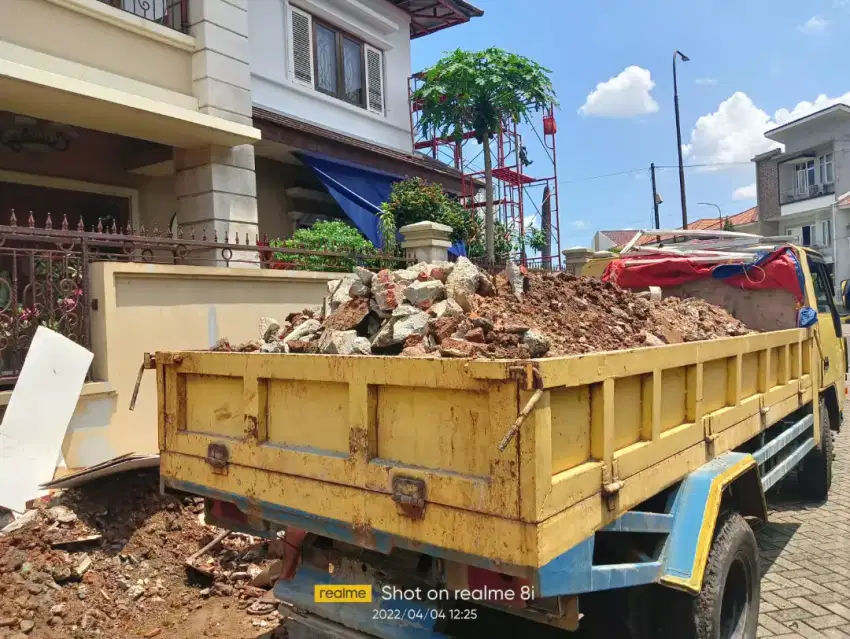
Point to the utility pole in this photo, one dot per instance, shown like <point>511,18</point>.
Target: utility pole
<point>654,196</point>
<point>679,137</point>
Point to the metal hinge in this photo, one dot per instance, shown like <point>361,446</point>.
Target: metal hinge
<point>409,494</point>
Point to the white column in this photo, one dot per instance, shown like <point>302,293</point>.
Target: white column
<point>426,241</point>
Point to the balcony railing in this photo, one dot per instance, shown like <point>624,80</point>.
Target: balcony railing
<point>814,190</point>
<point>173,14</point>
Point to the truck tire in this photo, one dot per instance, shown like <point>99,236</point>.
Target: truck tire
<point>727,607</point>
<point>815,474</point>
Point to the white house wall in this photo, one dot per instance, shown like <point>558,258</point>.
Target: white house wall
<point>377,23</point>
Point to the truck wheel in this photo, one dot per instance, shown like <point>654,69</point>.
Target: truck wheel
<point>727,607</point>
<point>815,474</point>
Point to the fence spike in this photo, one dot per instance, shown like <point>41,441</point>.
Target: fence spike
<point>246,239</point>
<point>99,225</point>
<point>64,221</point>
<point>193,233</point>
<point>168,233</point>
<point>142,230</point>
<point>235,241</point>
<point>31,221</point>
<point>80,226</point>
<point>204,235</point>
<point>179,232</point>
<point>265,239</point>
<point>49,223</point>
<point>128,230</point>
<point>114,227</point>
<point>155,230</point>
<point>13,221</point>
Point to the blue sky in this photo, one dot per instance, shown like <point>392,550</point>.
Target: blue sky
<point>754,64</point>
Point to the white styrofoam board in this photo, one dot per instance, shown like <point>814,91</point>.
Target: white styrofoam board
<point>39,410</point>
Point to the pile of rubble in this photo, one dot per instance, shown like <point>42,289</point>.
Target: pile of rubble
<point>109,560</point>
<point>458,310</point>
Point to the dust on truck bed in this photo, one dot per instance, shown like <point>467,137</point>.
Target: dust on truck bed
<point>387,451</point>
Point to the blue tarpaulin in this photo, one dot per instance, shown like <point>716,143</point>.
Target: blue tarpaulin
<point>359,191</point>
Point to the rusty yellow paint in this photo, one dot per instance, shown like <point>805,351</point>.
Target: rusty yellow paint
<point>327,435</point>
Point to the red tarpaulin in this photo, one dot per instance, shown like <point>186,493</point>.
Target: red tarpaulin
<point>777,270</point>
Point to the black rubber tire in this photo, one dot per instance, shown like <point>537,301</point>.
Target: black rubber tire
<point>727,607</point>
<point>815,474</point>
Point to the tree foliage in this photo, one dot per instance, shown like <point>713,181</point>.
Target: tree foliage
<point>476,91</point>
<point>471,90</point>
<point>728,226</point>
<point>535,239</point>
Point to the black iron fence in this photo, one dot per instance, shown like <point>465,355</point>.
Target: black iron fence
<point>44,272</point>
<point>173,14</point>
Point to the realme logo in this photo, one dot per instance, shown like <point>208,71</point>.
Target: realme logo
<point>342,594</point>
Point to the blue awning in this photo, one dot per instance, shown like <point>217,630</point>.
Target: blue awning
<point>359,191</point>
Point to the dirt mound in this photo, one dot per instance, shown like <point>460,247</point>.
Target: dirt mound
<point>458,310</point>
<point>583,315</point>
<point>108,560</point>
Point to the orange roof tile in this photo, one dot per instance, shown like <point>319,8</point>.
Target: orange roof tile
<point>704,224</point>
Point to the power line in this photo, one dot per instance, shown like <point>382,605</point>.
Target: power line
<point>657,166</point>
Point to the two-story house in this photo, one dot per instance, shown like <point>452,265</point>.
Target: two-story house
<point>236,116</point>
<point>798,188</point>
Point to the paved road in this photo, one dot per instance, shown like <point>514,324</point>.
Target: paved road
<point>805,554</point>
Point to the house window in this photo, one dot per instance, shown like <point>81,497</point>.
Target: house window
<point>807,235</point>
<point>336,63</point>
<point>805,176</point>
<point>827,174</point>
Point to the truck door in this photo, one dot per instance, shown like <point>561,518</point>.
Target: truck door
<point>829,325</point>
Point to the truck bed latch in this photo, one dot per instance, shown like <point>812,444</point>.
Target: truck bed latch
<point>409,494</point>
<point>218,456</point>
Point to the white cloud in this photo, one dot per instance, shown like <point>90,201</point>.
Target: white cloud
<point>841,4</point>
<point>579,224</point>
<point>813,25</point>
<point>706,81</point>
<point>623,96</point>
<point>735,132</point>
<point>745,192</point>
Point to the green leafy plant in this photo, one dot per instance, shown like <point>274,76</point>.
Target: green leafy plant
<point>535,239</point>
<point>504,245</point>
<point>334,237</point>
<point>414,200</point>
<point>476,91</point>
<point>728,226</point>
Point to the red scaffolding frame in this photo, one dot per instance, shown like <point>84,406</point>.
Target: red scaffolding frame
<point>514,190</point>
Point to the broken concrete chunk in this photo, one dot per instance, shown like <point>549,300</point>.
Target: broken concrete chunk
<point>385,293</point>
<point>424,294</point>
<point>651,340</point>
<point>359,289</point>
<point>405,276</point>
<point>348,316</point>
<point>384,336</point>
<point>364,275</point>
<point>462,284</point>
<point>453,347</point>
<point>341,294</point>
<point>269,328</point>
<point>304,329</point>
<point>61,514</point>
<point>414,324</point>
<point>446,308</point>
<point>537,343</point>
<point>344,343</point>
<point>516,279</point>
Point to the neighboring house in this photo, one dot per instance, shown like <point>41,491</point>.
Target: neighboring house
<point>799,188</point>
<point>744,222</point>
<point>233,116</point>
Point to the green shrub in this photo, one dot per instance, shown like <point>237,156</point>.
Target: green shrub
<point>335,237</point>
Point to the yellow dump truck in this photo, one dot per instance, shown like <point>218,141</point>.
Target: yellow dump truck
<point>407,512</point>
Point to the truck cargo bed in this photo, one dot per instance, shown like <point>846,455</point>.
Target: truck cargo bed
<point>388,451</point>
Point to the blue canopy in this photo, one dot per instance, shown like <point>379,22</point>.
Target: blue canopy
<point>359,191</point>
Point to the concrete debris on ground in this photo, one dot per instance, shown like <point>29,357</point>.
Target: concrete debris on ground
<point>107,560</point>
<point>458,310</point>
